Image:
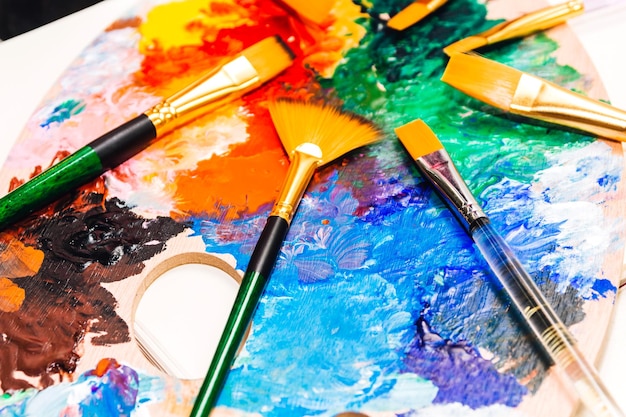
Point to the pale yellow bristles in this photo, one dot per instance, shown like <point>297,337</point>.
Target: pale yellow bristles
<point>316,11</point>
<point>269,57</point>
<point>483,79</point>
<point>334,131</point>
<point>413,13</point>
<point>418,138</point>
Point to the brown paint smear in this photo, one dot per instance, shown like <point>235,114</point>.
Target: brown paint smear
<point>90,240</point>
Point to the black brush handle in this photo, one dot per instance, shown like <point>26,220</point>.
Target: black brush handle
<point>267,248</point>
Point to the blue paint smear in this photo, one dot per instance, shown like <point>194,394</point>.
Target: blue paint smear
<point>120,391</point>
<point>64,111</point>
<point>459,371</point>
<point>336,327</point>
<point>601,287</point>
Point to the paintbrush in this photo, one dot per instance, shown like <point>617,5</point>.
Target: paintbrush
<point>244,72</point>
<point>520,93</point>
<point>313,134</point>
<point>314,11</point>
<point>522,26</point>
<point>413,13</point>
<point>434,162</point>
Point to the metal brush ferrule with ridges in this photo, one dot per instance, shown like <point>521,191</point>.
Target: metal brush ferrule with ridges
<point>439,168</point>
<point>304,160</point>
<point>235,76</point>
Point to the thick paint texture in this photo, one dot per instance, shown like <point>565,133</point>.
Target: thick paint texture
<point>111,389</point>
<point>48,311</point>
<point>379,301</point>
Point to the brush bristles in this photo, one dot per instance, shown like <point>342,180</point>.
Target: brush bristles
<point>269,57</point>
<point>334,131</point>
<point>483,79</point>
<point>316,11</point>
<point>408,16</point>
<point>418,138</point>
<point>465,45</point>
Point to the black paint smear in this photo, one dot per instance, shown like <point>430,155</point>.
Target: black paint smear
<point>101,241</point>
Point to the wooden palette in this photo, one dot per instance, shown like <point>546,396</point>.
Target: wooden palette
<point>379,303</point>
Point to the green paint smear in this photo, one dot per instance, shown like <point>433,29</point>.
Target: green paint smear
<point>394,77</point>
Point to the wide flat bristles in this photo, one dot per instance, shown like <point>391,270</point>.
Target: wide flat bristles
<point>465,45</point>
<point>413,13</point>
<point>269,57</point>
<point>483,79</point>
<point>316,11</point>
<point>418,138</point>
<point>333,130</point>
<point>408,16</point>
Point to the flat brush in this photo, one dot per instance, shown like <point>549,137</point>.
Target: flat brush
<point>413,13</point>
<point>520,93</point>
<point>314,11</point>
<point>313,135</point>
<point>522,26</point>
<point>434,162</point>
<point>248,70</point>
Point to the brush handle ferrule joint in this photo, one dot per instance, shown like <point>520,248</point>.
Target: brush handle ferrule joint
<point>439,168</point>
<point>124,142</point>
<point>301,170</point>
<point>540,99</point>
<point>236,76</point>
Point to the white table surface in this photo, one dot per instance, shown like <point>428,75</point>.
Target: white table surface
<point>32,62</point>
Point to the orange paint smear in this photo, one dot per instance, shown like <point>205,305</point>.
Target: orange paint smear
<point>11,296</point>
<point>18,260</point>
<point>246,180</point>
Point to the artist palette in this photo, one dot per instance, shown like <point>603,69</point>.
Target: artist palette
<point>379,302</point>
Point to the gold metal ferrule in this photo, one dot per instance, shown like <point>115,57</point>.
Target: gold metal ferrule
<point>304,161</point>
<point>235,77</point>
<point>542,100</point>
<point>534,21</point>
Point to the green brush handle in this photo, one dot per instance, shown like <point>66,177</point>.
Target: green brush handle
<point>77,169</point>
<point>252,286</point>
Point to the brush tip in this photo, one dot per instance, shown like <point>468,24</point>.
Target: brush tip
<point>418,138</point>
<point>482,78</point>
<point>335,131</point>
<point>316,11</point>
<point>408,16</point>
<point>465,45</point>
<point>269,57</point>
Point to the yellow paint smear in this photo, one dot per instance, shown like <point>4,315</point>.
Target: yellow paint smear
<point>185,23</point>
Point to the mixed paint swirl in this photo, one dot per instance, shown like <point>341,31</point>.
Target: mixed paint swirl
<point>379,301</point>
